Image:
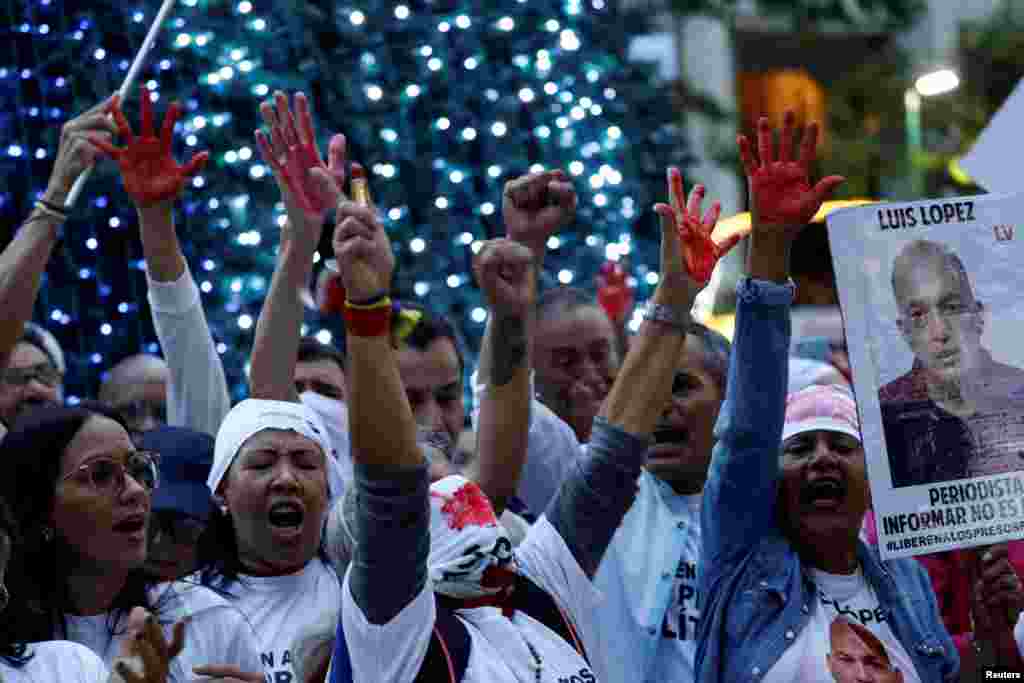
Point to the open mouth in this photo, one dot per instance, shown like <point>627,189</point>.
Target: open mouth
<point>286,515</point>
<point>670,435</point>
<point>825,493</point>
<point>667,442</point>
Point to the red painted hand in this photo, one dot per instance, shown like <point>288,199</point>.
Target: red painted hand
<point>780,189</point>
<point>701,248</point>
<point>148,168</point>
<point>613,291</point>
<point>330,293</point>
<point>295,158</point>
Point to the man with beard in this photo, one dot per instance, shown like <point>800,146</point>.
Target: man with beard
<point>957,412</point>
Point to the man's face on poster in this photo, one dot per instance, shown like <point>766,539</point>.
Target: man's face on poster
<point>940,320</point>
<point>852,660</point>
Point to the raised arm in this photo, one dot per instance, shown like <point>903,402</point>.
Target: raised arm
<point>309,188</point>
<point>391,526</point>
<point>23,261</point>
<point>600,488</point>
<point>739,498</point>
<point>505,272</point>
<point>197,393</point>
<point>535,207</point>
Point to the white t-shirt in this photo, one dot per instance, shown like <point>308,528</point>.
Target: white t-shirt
<point>56,661</point>
<point>648,578</point>
<point>827,653</point>
<point>280,606</point>
<point>500,648</point>
<point>218,633</point>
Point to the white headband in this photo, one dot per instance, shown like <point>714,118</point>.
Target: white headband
<point>252,416</point>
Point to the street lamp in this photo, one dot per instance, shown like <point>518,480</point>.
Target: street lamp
<point>937,82</point>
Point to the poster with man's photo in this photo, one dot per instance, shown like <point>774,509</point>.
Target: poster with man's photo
<point>932,293</point>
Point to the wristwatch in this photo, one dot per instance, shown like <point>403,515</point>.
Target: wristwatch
<point>667,315</point>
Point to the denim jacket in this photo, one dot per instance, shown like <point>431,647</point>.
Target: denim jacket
<point>756,599</point>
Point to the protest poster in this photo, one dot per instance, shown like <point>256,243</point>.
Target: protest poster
<point>932,293</point>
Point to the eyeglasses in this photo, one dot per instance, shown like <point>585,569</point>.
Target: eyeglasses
<point>134,412</point>
<point>181,529</point>
<point>107,475</point>
<point>44,373</point>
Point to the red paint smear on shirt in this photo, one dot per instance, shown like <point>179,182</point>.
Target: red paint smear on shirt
<point>468,506</point>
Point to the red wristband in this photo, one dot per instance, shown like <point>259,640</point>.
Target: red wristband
<point>368,322</point>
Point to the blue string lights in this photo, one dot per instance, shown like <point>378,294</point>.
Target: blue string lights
<point>443,103</point>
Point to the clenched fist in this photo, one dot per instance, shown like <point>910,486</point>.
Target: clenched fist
<point>505,273</point>
<point>363,251</point>
<point>535,206</point>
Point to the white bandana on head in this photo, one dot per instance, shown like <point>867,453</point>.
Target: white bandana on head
<point>470,552</point>
<point>252,416</point>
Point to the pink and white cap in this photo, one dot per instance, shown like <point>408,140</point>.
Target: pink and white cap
<point>821,407</point>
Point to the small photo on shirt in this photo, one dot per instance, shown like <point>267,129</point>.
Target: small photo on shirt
<point>856,655</point>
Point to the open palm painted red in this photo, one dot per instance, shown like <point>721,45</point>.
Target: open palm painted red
<point>150,173</point>
<point>780,188</point>
<point>293,154</point>
<point>613,291</point>
<point>701,247</point>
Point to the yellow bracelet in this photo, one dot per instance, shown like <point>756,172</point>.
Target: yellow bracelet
<point>384,302</point>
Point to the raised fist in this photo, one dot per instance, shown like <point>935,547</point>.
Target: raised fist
<point>363,252</point>
<point>535,206</point>
<point>505,273</point>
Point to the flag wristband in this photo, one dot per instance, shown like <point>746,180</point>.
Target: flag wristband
<point>379,301</point>
<point>371,319</point>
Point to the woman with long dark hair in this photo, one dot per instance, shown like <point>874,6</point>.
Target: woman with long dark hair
<point>81,493</point>
<point>65,661</point>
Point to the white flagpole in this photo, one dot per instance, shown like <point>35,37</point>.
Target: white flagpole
<point>129,80</point>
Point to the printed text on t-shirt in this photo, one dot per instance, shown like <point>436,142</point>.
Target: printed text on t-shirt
<point>682,616</point>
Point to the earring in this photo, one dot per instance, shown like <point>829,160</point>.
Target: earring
<point>47,534</point>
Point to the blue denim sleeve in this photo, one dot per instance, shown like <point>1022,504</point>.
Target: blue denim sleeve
<point>739,498</point>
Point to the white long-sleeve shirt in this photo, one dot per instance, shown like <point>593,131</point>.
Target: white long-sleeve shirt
<point>197,392</point>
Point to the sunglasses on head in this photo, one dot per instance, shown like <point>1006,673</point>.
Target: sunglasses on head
<point>108,475</point>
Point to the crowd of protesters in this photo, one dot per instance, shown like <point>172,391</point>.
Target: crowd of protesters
<point>664,507</point>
